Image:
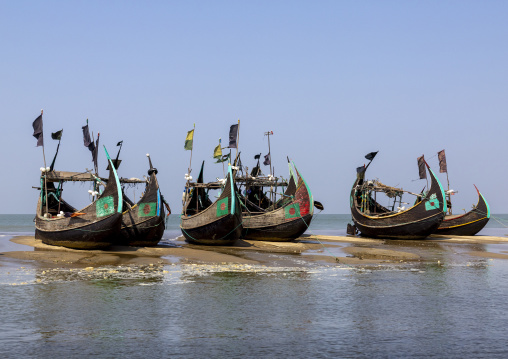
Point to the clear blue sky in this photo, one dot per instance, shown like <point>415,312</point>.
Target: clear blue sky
<point>333,80</point>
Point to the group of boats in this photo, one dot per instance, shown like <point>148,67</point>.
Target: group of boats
<point>242,205</point>
<point>244,210</point>
<point>111,218</point>
<point>431,212</point>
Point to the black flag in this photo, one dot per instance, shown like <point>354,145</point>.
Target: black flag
<point>256,157</point>
<point>57,135</point>
<point>37,125</point>
<point>371,155</point>
<point>95,150</point>
<point>442,161</point>
<point>119,143</point>
<point>421,167</point>
<point>86,138</point>
<point>267,160</point>
<point>233,132</point>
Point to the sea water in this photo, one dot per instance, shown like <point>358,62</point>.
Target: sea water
<point>450,308</point>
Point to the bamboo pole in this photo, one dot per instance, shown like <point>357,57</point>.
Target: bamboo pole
<point>237,139</point>
<point>45,173</point>
<point>190,162</point>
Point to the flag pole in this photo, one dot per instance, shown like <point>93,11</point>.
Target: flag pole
<point>190,162</point>
<point>269,151</point>
<point>94,166</point>
<point>223,169</point>
<point>237,141</point>
<point>270,158</point>
<point>45,173</point>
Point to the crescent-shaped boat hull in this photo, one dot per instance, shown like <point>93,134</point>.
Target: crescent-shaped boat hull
<point>224,231</point>
<point>96,235</point>
<point>282,232</point>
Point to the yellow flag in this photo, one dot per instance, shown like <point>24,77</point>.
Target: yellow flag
<point>217,153</point>
<point>189,139</point>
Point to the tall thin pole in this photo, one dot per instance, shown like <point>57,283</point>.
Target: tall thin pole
<point>269,151</point>
<point>189,170</point>
<point>237,139</point>
<point>270,159</point>
<point>45,173</point>
<point>448,194</point>
<point>95,186</point>
<point>223,169</point>
<point>190,162</point>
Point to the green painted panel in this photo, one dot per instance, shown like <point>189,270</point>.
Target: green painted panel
<point>105,206</point>
<point>432,203</point>
<point>222,207</point>
<point>147,209</point>
<point>292,211</point>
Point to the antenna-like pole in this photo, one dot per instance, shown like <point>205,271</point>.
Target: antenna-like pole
<point>190,162</point>
<point>223,169</point>
<point>270,159</point>
<point>237,140</point>
<point>45,173</point>
<point>269,151</point>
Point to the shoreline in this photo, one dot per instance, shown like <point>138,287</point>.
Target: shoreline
<point>307,251</point>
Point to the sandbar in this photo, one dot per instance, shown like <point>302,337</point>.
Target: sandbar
<point>307,251</point>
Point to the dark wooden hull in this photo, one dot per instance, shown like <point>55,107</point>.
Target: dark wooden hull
<point>417,222</point>
<point>468,224</point>
<point>281,225</point>
<point>218,224</point>
<point>140,229</point>
<point>93,227</point>
<point>283,232</point>
<point>96,235</point>
<point>141,233</point>
<point>225,231</point>
<point>419,229</point>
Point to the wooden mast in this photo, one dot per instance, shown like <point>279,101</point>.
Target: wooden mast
<point>45,173</point>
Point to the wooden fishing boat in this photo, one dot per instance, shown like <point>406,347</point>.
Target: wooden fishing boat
<point>419,221</point>
<point>93,227</point>
<point>217,223</point>
<point>143,223</point>
<point>467,224</point>
<point>282,221</point>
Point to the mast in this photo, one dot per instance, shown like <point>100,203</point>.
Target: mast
<point>238,139</point>
<point>270,159</point>
<point>189,170</point>
<point>45,173</point>
<point>190,162</point>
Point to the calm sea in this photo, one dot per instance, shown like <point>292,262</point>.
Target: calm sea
<point>454,309</point>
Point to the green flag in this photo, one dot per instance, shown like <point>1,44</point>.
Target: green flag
<point>188,140</point>
<point>223,159</point>
<point>57,135</point>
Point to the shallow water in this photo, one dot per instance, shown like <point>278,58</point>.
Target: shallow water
<point>449,307</point>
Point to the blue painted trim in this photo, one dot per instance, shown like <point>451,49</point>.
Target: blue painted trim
<point>233,196</point>
<point>488,207</point>
<point>158,202</point>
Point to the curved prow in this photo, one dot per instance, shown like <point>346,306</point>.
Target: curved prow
<point>436,186</point>
<point>482,204</point>
<point>118,186</point>
<point>303,195</point>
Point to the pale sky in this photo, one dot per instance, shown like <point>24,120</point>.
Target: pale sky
<point>334,80</point>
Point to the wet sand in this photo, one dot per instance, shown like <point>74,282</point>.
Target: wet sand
<point>307,251</point>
